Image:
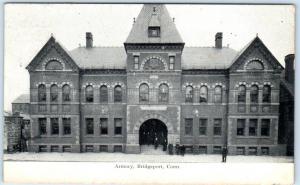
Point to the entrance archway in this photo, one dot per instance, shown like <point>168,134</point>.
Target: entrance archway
<point>152,129</point>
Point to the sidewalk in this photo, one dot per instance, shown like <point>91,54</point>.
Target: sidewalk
<point>121,157</point>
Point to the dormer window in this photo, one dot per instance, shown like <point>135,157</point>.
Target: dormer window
<point>154,31</point>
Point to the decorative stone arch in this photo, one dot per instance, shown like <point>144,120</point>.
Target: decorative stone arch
<point>150,85</point>
<point>164,82</point>
<point>255,59</point>
<point>39,83</point>
<point>87,84</point>
<point>268,83</point>
<point>50,59</point>
<point>188,84</point>
<point>160,117</point>
<point>241,83</point>
<point>154,57</point>
<point>113,85</point>
<point>203,84</point>
<point>218,84</point>
<point>67,83</point>
<point>104,83</point>
<point>54,83</point>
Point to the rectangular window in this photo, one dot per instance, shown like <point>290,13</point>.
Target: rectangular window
<point>89,125</point>
<point>240,150</point>
<point>253,108</point>
<point>42,108</point>
<point>136,62</point>
<point>252,127</point>
<point>172,61</point>
<point>43,148</point>
<point>203,149</point>
<point>43,126</point>
<point>89,148</point>
<point>54,126</point>
<point>264,150</point>
<point>103,126</point>
<point>241,108</point>
<point>217,150</point>
<point>66,148</point>
<point>202,126</point>
<point>265,127</point>
<point>217,126</point>
<point>118,126</point>
<point>117,148</point>
<point>252,151</point>
<point>54,108</point>
<point>189,126</point>
<point>103,148</point>
<point>54,148</point>
<point>240,128</point>
<point>66,125</point>
<point>66,108</point>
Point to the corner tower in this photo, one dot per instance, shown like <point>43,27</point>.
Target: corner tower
<point>154,49</point>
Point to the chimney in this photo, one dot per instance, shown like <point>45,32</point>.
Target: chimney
<point>289,68</point>
<point>218,40</point>
<point>89,39</point>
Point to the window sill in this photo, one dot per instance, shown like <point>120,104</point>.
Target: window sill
<point>253,137</point>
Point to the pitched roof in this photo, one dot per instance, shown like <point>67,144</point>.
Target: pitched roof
<point>207,58</point>
<point>100,57</point>
<point>23,98</point>
<point>115,57</point>
<point>154,15</point>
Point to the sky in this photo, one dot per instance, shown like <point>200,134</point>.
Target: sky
<point>27,27</point>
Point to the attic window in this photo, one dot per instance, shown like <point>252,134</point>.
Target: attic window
<point>255,65</point>
<point>154,31</point>
<point>54,65</point>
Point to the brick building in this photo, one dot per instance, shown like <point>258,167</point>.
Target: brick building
<point>115,99</point>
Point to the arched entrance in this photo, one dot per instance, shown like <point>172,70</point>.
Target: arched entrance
<point>151,129</point>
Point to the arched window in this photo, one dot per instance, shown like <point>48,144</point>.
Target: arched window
<point>218,94</point>
<point>103,94</point>
<point>203,94</point>
<point>254,94</point>
<point>66,93</point>
<point>118,93</point>
<point>144,93</point>
<point>54,65</point>
<point>242,94</point>
<point>189,94</point>
<point>266,94</point>
<point>53,93</point>
<point>89,93</point>
<point>255,65</point>
<point>163,93</point>
<point>42,92</point>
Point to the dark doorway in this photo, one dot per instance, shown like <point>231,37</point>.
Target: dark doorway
<point>152,129</point>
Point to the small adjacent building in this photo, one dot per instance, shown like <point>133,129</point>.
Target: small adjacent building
<point>116,99</point>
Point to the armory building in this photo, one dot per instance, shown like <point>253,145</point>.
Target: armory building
<point>115,99</point>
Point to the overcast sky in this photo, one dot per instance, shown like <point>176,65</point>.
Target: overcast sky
<point>28,27</point>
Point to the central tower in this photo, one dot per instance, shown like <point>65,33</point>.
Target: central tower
<point>154,49</point>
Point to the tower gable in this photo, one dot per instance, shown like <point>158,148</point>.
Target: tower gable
<point>154,25</point>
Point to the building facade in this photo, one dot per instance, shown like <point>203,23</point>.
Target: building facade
<point>115,99</point>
